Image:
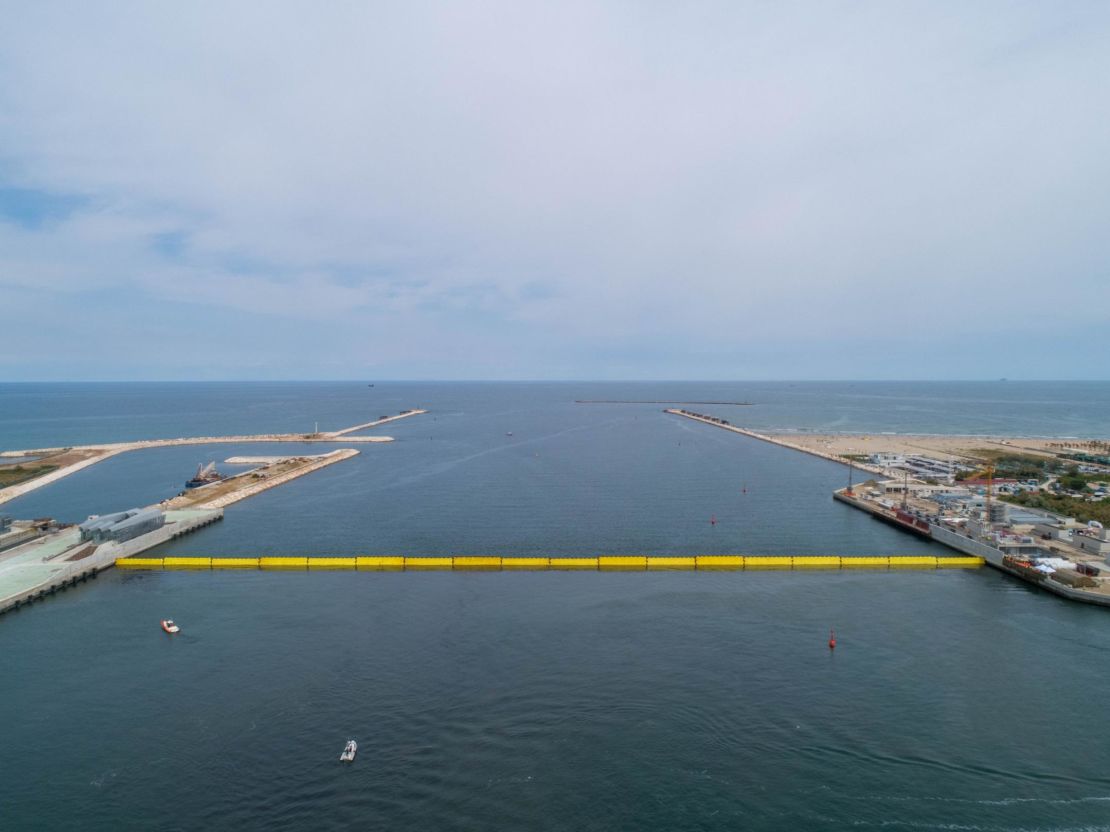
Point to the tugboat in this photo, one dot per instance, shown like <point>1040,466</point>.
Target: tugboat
<point>348,755</point>
<point>169,626</point>
<point>205,475</point>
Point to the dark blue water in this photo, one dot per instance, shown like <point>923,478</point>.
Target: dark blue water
<point>682,701</point>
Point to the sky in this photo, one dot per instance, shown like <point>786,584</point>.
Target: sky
<point>561,190</point>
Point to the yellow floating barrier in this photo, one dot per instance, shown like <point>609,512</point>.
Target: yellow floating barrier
<point>387,562</point>
<point>768,563</point>
<point>719,562</point>
<point>477,563</point>
<point>817,562</point>
<point>622,562</point>
<point>234,563</point>
<point>960,561</point>
<point>672,563</point>
<point>428,563</point>
<point>913,560</point>
<point>604,562</point>
<point>525,563</point>
<point>332,563</point>
<point>573,563</point>
<point>865,563</point>
<point>186,563</point>
<point>283,563</point>
<point>139,563</point>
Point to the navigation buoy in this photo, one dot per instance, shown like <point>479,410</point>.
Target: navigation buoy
<point>713,520</point>
<point>832,640</point>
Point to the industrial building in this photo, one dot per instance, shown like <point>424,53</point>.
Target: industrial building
<point>122,525</point>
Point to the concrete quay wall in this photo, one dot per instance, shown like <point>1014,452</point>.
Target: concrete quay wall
<point>69,573</point>
<point>989,555</point>
<point>994,557</point>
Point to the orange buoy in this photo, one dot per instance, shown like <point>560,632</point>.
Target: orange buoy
<point>832,640</point>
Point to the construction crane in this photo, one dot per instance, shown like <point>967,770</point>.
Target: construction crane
<point>990,494</point>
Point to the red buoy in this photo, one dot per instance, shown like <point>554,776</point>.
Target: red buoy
<point>832,640</point>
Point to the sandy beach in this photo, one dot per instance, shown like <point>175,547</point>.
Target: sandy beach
<point>942,447</point>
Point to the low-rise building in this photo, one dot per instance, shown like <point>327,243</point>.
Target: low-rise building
<point>122,525</point>
<point>1096,542</point>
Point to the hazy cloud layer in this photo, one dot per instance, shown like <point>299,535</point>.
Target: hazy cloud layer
<point>559,190</point>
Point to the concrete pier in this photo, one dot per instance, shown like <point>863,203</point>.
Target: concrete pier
<point>774,440</point>
<point>104,451</point>
<point>222,494</point>
<point>383,421</point>
<point>44,566</point>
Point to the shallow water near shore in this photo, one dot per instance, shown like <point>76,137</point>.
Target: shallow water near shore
<point>669,701</point>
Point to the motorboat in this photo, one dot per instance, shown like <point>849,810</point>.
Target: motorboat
<point>348,755</point>
<point>169,626</point>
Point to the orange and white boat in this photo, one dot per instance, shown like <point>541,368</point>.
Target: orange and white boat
<point>169,626</point>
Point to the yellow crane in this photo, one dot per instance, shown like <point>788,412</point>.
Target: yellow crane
<point>990,495</point>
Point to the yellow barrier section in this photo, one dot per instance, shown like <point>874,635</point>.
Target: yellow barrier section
<point>477,563</point>
<point>719,562</point>
<point>768,563</point>
<point>622,562</point>
<point>380,563</point>
<point>140,563</point>
<point>606,562</point>
<point>818,562</point>
<point>672,563</point>
<point>283,563</point>
<point>332,563</point>
<point>429,563</point>
<point>865,562</point>
<point>963,562</point>
<point>525,563</point>
<point>912,560</point>
<point>573,563</point>
<point>186,563</point>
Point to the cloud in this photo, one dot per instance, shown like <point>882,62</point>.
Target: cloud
<point>554,189</point>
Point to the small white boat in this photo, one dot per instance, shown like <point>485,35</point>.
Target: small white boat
<point>169,626</point>
<point>348,755</point>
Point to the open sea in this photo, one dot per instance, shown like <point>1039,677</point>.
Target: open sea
<point>955,700</point>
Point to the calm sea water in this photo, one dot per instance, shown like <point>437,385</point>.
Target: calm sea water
<point>640,701</point>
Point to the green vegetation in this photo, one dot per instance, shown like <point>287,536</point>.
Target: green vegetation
<point>1073,481</point>
<point>1080,509</point>
<point>1018,466</point>
<point>21,473</point>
